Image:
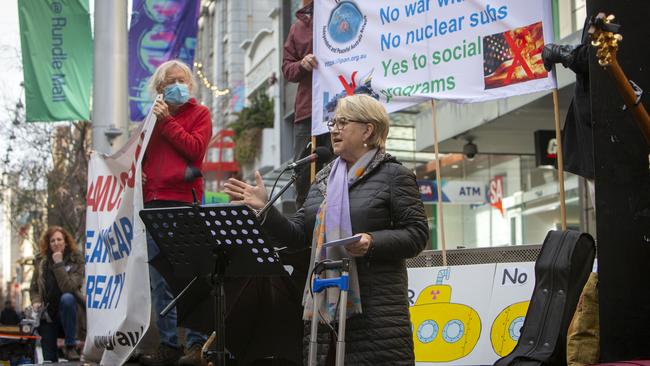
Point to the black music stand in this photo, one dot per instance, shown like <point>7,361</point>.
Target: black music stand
<point>213,241</point>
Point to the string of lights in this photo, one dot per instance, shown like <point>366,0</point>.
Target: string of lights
<point>198,67</point>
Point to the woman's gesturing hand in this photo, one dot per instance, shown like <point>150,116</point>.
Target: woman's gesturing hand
<point>241,192</point>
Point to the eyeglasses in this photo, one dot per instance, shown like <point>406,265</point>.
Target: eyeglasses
<point>340,122</point>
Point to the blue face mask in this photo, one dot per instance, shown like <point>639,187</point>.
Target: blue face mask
<point>176,93</point>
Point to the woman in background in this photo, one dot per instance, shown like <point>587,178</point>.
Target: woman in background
<point>56,286</point>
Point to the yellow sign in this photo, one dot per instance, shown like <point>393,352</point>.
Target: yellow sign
<point>506,328</point>
<point>443,331</point>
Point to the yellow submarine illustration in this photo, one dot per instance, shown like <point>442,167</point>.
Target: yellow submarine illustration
<point>442,331</point>
<point>506,328</point>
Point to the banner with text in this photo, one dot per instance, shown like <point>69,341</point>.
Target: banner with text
<point>468,315</point>
<point>404,52</point>
<point>160,31</point>
<point>57,51</point>
<point>117,274</point>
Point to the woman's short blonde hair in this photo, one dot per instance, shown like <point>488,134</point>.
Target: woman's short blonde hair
<point>364,108</point>
<point>158,77</point>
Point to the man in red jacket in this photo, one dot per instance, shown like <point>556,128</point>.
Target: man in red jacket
<point>298,62</point>
<point>171,170</point>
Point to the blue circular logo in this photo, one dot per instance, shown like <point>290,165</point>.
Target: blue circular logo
<point>345,22</point>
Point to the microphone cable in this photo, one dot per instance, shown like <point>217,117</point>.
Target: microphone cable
<point>276,182</point>
<point>263,219</point>
<point>322,155</point>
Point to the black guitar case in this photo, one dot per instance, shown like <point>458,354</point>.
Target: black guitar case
<point>561,271</point>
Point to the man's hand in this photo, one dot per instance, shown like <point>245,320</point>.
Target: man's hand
<point>361,247</point>
<point>554,53</point>
<point>160,109</point>
<point>309,62</point>
<point>241,192</point>
<point>57,257</point>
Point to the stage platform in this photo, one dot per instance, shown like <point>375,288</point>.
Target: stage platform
<point>83,364</point>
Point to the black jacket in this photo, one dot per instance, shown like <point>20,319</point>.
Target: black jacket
<point>385,203</point>
<point>577,137</point>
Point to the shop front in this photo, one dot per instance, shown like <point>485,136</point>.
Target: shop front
<point>498,200</point>
<point>506,148</point>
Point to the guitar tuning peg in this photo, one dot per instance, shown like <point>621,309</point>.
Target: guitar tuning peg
<point>610,18</point>
<point>603,60</point>
<point>618,37</point>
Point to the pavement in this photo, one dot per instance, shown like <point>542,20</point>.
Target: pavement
<point>83,364</point>
<point>148,344</point>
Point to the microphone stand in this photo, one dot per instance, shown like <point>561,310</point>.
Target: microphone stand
<point>268,205</point>
<point>318,156</point>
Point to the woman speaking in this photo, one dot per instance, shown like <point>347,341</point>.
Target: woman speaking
<point>364,191</point>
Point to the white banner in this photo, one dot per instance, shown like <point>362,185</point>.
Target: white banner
<point>118,299</point>
<point>408,51</point>
<point>468,315</point>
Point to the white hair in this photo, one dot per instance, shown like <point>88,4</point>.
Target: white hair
<point>158,77</point>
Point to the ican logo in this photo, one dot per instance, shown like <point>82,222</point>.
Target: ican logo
<point>344,29</point>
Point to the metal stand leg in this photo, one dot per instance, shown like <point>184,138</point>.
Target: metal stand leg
<point>219,358</point>
<point>318,286</point>
<point>340,343</point>
<point>313,338</point>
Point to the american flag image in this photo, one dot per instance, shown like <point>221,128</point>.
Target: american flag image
<point>497,52</point>
<point>513,56</point>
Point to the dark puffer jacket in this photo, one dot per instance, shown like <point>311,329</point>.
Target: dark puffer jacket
<point>385,203</point>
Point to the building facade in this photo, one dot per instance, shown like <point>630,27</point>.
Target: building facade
<point>223,26</point>
<point>16,250</point>
<point>220,66</point>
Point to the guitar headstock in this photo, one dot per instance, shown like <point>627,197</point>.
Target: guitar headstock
<point>604,36</point>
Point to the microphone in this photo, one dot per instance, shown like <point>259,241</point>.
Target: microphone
<point>321,155</point>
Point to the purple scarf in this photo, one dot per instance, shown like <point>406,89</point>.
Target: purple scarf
<point>333,223</point>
